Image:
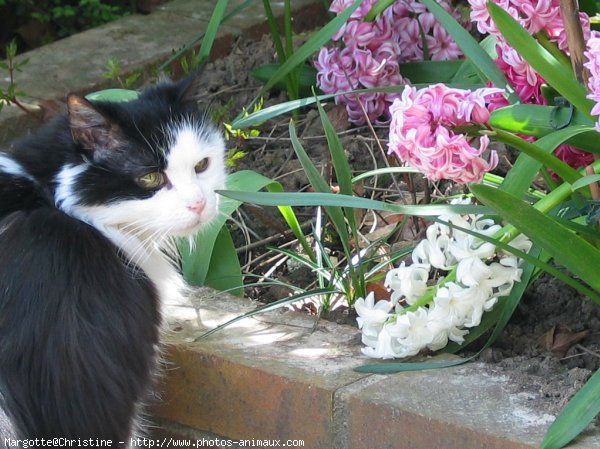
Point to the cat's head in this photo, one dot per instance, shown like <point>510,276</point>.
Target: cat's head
<point>149,167</point>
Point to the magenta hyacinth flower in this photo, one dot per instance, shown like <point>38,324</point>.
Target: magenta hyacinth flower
<point>373,51</point>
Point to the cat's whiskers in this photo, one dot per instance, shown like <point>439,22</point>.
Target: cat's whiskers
<point>148,242</point>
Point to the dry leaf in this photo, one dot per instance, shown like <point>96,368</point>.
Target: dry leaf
<point>339,118</point>
<point>560,338</point>
<point>378,290</point>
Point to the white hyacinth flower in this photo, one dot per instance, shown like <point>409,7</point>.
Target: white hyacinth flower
<point>472,271</point>
<point>465,306</point>
<point>483,275</point>
<point>521,242</point>
<point>434,251</point>
<point>371,317</point>
<point>385,347</point>
<point>412,331</point>
<point>464,246</point>
<point>408,282</point>
<point>502,278</point>
<point>444,319</point>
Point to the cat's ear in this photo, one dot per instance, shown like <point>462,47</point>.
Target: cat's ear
<point>189,86</point>
<point>91,129</point>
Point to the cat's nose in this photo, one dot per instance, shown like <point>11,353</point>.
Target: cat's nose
<point>197,205</point>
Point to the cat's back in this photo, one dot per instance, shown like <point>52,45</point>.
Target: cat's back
<point>30,164</point>
<point>78,323</point>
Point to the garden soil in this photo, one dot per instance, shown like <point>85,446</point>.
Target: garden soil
<point>551,345</point>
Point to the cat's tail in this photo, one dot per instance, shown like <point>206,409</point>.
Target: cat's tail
<point>18,189</point>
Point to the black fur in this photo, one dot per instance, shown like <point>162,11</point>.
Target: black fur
<point>78,331</point>
<point>78,324</point>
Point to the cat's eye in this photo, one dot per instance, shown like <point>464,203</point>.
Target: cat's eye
<point>151,180</point>
<point>202,165</point>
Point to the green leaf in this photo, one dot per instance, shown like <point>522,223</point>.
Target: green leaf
<point>383,171</point>
<point>316,41</point>
<point>537,120</point>
<point>521,175</point>
<point>585,181</point>
<point>575,417</point>
<point>340,162</point>
<point>573,252</point>
<point>431,71</point>
<point>540,59</point>
<point>339,200</point>
<point>113,95</point>
<point>269,307</point>
<point>377,9</point>
<point>224,270</point>
<point>320,185</point>
<point>270,112</point>
<point>343,173</point>
<point>590,7</point>
<point>211,30</point>
<point>307,76</point>
<point>196,262</point>
<point>533,150</point>
<point>472,50</point>
<point>237,9</point>
<point>292,221</point>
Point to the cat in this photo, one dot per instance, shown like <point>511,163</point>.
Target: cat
<point>89,206</point>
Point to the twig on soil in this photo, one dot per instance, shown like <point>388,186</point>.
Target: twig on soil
<point>585,351</point>
<point>274,238</point>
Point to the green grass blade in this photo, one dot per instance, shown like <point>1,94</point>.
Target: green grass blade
<point>313,44</point>
<point>565,171</point>
<point>577,414</point>
<point>573,252</point>
<point>521,175</point>
<point>212,29</point>
<point>320,185</point>
<point>268,308</point>
<point>431,71</point>
<point>339,200</point>
<point>292,221</point>
<point>471,49</point>
<point>383,171</point>
<point>540,59</point>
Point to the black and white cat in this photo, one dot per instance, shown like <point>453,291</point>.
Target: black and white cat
<point>89,205</point>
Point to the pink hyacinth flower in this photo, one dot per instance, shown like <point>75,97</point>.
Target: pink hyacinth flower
<point>593,65</point>
<point>421,134</point>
